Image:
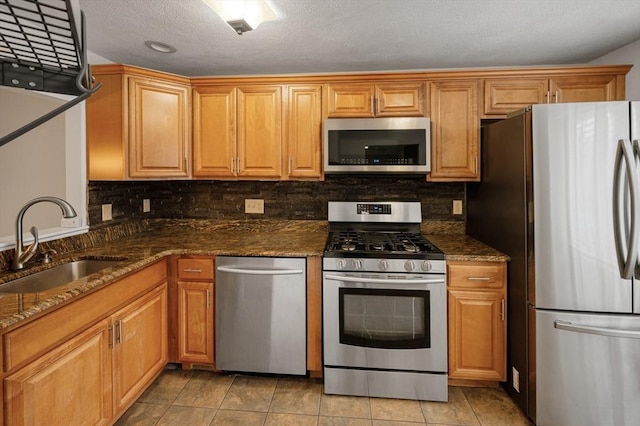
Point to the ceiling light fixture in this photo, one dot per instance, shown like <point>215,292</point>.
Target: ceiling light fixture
<point>243,15</point>
<point>159,46</point>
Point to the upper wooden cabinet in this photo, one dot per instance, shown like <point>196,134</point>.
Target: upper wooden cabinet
<point>138,125</point>
<point>238,132</point>
<point>375,100</point>
<point>159,129</point>
<point>505,95</point>
<point>304,131</point>
<point>455,130</point>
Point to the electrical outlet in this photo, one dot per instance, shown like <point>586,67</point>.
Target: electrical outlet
<point>146,205</point>
<point>106,212</point>
<point>254,206</point>
<point>516,379</point>
<point>457,206</point>
<point>71,222</point>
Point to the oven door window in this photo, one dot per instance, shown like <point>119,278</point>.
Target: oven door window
<point>389,319</point>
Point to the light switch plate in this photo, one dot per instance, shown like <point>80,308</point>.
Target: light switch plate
<point>255,206</point>
<point>146,205</point>
<point>106,212</point>
<point>457,206</point>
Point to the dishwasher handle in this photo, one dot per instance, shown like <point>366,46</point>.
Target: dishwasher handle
<point>242,271</point>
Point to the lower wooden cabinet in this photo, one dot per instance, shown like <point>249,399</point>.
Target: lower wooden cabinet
<point>140,348</point>
<point>195,318</point>
<point>96,375</point>
<point>70,385</point>
<point>88,361</point>
<point>195,310</point>
<point>477,320</point>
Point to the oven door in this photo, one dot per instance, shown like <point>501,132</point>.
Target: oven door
<point>385,321</point>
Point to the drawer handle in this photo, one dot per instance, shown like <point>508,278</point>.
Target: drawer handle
<point>479,278</point>
<point>198,271</point>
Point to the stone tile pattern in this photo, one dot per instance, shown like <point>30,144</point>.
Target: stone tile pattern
<point>137,244</point>
<point>180,199</point>
<point>205,398</point>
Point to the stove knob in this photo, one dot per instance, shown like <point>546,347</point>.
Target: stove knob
<point>356,263</point>
<point>341,264</point>
<point>409,265</point>
<point>383,265</point>
<point>426,266</point>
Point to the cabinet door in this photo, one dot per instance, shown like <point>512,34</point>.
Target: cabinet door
<point>304,131</point>
<point>159,132</point>
<point>476,335</point>
<point>583,88</point>
<point>259,132</point>
<point>502,96</point>
<point>400,99</point>
<point>70,385</point>
<point>140,351</point>
<point>350,100</point>
<point>455,130</point>
<point>214,131</point>
<point>195,322</point>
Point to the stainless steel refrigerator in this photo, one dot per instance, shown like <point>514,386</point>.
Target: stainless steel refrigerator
<point>560,194</point>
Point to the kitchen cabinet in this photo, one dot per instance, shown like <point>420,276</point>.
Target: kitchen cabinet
<point>195,310</point>
<point>455,130</point>
<point>375,100</point>
<point>138,125</point>
<point>505,95</point>
<point>140,348</point>
<point>69,385</point>
<point>303,123</point>
<point>238,132</point>
<point>477,320</point>
<point>87,361</point>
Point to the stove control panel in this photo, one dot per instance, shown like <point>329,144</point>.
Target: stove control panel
<point>374,208</point>
<point>384,265</point>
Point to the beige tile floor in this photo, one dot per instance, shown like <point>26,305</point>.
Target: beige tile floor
<point>187,398</point>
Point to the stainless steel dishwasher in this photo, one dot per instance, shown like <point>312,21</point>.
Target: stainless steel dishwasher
<point>261,314</point>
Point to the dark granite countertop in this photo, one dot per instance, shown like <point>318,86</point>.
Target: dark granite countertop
<point>279,238</point>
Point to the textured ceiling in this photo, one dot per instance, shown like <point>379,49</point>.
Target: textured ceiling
<point>320,36</point>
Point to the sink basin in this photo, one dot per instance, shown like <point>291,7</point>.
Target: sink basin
<point>56,277</point>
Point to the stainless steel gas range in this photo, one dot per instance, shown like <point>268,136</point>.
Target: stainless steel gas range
<point>384,304</point>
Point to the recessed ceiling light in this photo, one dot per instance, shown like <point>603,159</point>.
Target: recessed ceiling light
<point>159,46</point>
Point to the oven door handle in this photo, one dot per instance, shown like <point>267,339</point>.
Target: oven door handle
<point>384,280</point>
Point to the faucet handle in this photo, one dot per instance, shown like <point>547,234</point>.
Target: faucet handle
<point>33,247</point>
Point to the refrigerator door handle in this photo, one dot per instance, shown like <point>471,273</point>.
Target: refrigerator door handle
<point>626,263</point>
<point>600,331</point>
<point>636,156</point>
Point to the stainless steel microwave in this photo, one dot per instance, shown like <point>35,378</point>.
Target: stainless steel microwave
<point>377,145</point>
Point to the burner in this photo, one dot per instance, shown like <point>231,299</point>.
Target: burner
<point>348,246</point>
<point>411,248</point>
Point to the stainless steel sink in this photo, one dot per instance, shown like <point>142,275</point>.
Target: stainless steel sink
<point>56,277</point>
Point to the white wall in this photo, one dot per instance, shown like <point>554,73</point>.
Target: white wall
<point>46,161</point>
<point>629,54</point>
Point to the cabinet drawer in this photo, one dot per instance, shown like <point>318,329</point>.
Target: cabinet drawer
<point>195,269</point>
<point>478,275</point>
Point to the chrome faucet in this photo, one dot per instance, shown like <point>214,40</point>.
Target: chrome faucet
<point>22,255</point>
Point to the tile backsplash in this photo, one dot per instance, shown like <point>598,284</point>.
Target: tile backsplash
<point>292,200</point>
